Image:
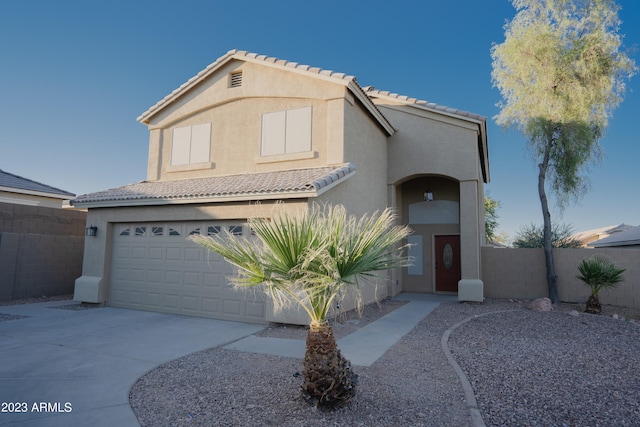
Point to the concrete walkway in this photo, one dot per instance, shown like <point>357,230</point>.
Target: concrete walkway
<point>76,367</point>
<point>364,346</point>
<point>85,362</point>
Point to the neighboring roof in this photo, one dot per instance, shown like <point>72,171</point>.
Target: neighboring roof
<point>341,78</point>
<point>300,183</point>
<point>17,184</point>
<point>481,121</point>
<point>627,236</point>
<point>588,236</point>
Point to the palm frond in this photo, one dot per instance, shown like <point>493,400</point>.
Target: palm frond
<point>310,259</point>
<point>599,272</point>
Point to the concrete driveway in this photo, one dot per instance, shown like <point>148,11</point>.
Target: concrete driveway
<point>62,367</point>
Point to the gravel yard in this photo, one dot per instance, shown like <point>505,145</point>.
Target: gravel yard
<point>526,368</point>
<point>552,369</point>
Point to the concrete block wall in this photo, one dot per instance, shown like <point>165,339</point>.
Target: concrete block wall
<point>41,220</point>
<point>521,274</point>
<point>41,251</point>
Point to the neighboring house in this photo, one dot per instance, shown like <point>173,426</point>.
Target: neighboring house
<point>17,190</point>
<point>591,237</point>
<point>625,237</point>
<point>251,133</point>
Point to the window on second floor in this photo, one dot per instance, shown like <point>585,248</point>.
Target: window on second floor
<point>286,132</point>
<point>191,144</point>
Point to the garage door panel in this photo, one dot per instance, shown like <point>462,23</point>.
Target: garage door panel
<point>172,277</point>
<point>119,273</point>
<point>232,307</point>
<point>210,306</point>
<point>193,254</point>
<point>156,253</point>
<point>121,252</point>
<point>170,301</point>
<point>213,280</point>
<point>174,254</point>
<point>155,267</point>
<point>154,299</point>
<point>137,275</point>
<point>135,297</point>
<point>138,252</point>
<point>191,278</point>
<point>191,304</point>
<point>154,276</point>
<point>118,296</point>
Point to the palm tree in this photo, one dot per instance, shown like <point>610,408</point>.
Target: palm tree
<point>311,259</point>
<point>598,272</point>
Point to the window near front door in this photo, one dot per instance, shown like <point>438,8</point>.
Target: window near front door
<point>191,144</point>
<point>286,132</point>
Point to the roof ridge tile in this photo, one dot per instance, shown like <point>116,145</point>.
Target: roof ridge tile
<point>370,90</point>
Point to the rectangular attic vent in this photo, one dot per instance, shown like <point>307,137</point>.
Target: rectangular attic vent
<point>235,79</point>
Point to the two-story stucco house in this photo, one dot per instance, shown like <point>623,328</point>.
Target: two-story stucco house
<point>250,131</point>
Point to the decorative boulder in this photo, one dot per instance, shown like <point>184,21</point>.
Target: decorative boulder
<point>541,304</point>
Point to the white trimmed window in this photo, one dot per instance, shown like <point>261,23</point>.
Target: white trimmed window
<point>191,145</point>
<point>286,132</point>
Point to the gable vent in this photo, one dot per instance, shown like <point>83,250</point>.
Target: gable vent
<point>235,79</point>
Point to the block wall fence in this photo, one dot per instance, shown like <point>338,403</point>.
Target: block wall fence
<point>521,274</point>
<point>41,251</point>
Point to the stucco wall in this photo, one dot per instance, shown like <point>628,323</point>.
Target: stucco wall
<point>365,145</point>
<point>235,115</point>
<point>439,144</point>
<point>521,274</point>
<point>30,200</point>
<point>41,220</point>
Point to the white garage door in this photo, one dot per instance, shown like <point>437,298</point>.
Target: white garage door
<point>155,268</point>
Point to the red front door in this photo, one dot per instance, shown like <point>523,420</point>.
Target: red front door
<point>447,262</point>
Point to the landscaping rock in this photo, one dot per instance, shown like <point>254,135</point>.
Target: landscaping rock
<point>541,304</point>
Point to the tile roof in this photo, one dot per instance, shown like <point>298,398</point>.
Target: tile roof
<point>627,236</point>
<point>367,91</point>
<point>268,185</point>
<point>372,91</point>
<point>12,181</point>
<point>247,55</point>
<point>347,80</point>
<point>599,233</point>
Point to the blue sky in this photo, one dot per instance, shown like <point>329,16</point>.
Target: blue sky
<point>75,75</point>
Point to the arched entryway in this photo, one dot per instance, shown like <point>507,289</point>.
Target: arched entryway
<point>430,205</point>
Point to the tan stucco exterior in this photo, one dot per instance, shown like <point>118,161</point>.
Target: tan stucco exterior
<point>394,144</point>
<point>18,198</point>
<point>444,148</point>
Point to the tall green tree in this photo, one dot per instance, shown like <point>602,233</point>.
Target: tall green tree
<point>491,216</point>
<point>561,72</point>
<point>532,236</point>
<point>312,259</point>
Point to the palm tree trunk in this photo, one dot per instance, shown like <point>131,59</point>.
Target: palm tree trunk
<point>593,305</point>
<point>547,241</point>
<point>328,378</point>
